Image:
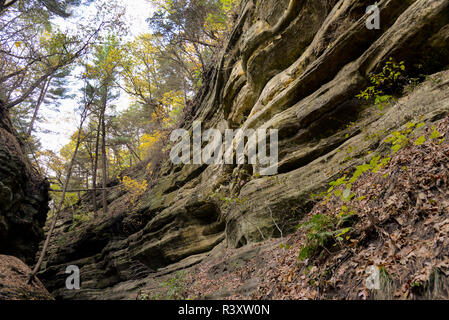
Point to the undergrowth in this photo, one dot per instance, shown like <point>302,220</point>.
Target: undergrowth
<point>327,231</point>
<point>171,289</point>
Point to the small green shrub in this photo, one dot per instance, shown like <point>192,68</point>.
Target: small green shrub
<point>80,218</point>
<point>384,84</point>
<point>172,289</point>
<point>323,229</point>
<point>176,287</point>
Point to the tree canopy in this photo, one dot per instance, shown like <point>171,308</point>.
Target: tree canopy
<point>52,52</point>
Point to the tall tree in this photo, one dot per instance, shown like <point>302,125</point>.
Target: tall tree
<point>103,72</point>
<point>191,32</point>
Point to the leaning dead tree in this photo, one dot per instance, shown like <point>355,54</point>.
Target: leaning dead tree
<point>60,204</point>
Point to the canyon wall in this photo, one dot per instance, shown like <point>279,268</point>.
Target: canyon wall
<point>295,66</point>
<point>23,197</point>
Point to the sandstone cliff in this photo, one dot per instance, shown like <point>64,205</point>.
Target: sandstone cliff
<point>295,66</point>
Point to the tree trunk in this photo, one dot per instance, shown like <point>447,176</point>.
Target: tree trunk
<point>61,202</point>
<point>95,169</point>
<point>81,179</point>
<point>38,104</point>
<point>133,152</point>
<point>103,151</point>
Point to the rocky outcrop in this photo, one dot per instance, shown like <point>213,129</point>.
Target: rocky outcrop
<point>13,281</point>
<point>295,66</point>
<point>23,197</point>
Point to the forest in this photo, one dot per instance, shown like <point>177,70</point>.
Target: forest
<point>159,72</point>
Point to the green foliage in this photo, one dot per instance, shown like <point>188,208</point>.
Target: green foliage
<point>436,135</point>
<point>176,287</point>
<point>228,200</point>
<point>388,80</point>
<point>341,188</point>
<point>80,218</point>
<point>285,246</point>
<point>62,240</point>
<point>401,138</point>
<point>375,136</point>
<point>389,75</point>
<point>191,33</point>
<point>70,200</point>
<point>323,229</point>
<point>173,289</point>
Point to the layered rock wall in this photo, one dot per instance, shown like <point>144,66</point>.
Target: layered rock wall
<point>23,197</point>
<point>295,66</point>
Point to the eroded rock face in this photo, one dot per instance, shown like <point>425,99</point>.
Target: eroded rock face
<point>294,66</point>
<point>23,197</point>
